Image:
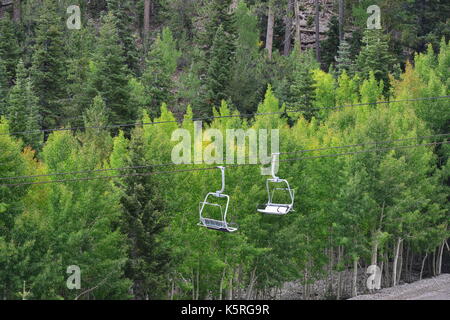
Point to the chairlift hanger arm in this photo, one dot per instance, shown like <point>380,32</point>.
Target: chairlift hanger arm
<point>222,190</point>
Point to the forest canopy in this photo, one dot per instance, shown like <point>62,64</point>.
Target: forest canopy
<point>88,111</point>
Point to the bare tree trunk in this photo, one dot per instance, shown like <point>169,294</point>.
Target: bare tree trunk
<point>394,267</point>
<point>306,288</point>
<point>317,23</point>
<point>434,263</point>
<point>341,21</point>
<point>221,284</point>
<point>193,284</point>
<point>251,285</point>
<point>408,252</point>
<point>269,36</point>
<point>339,285</point>
<point>400,268</point>
<point>288,28</point>
<point>16,11</point>
<point>387,274</point>
<point>355,276</point>
<point>298,33</point>
<point>172,292</point>
<point>374,259</point>
<point>423,264</point>
<point>381,268</point>
<point>198,284</point>
<point>439,264</point>
<point>147,6</point>
<point>239,279</point>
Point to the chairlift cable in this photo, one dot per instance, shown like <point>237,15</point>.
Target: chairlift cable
<point>213,168</point>
<point>119,126</point>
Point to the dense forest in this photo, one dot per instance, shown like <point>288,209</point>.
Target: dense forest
<point>89,104</point>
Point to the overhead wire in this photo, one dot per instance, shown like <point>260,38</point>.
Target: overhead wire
<point>171,164</point>
<point>119,126</point>
<point>215,167</point>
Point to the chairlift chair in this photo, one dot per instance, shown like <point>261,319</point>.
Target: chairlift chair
<point>213,224</point>
<point>277,208</point>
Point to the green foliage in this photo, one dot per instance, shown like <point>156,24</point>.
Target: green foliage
<point>330,46</point>
<point>375,56</point>
<point>161,66</point>
<point>108,74</point>
<point>343,59</point>
<point>48,71</point>
<point>4,87</point>
<point>133,232</point>
<point>246,85</point>
<point>123,12</point>
<point>218,14</point>
<point>219,70</point>
<point>23,109</point>
<point>9,48</point>
<point>299,83</point>
<point>143,219</point>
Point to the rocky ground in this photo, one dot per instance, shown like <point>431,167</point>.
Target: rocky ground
<point>294,290</point>
<point>437,288</point>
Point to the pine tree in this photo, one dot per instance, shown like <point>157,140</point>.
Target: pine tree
<point>122,10</point>
<point>143,220</point>
<point>301,89</point>
<point>79,48</point>
<point>48,64</point>
<point>331,44</point>
<point>161,65</point>
<point>247,85</point>
<point>375,56</point>
<point>95,121</point>
<point>3,89</point>
<point>343,59</point>
<point>218,15</point>
<point>108,76</point>
<point>219,71</point>
<point>9,48</point>
<point>23,112</point>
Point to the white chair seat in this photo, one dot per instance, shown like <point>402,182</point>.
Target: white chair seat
<point>217,225</point>
<point>275,209</point>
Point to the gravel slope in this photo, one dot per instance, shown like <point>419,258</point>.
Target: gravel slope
<point>437,288</point>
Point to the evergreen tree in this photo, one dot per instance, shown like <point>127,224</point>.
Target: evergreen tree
<point>95,121</point>
<point>23,111</point>
<point>218,14</point>
<point>330,45</point>
<point>161,65</point>
<point>219,71</point>
<point>122,10</point>
<point>375,56</point>
<point>343,59</point>
<point>143,220</point>
<point>108,75</point>
<point>79,47</point>
<point>3,89</point>
<point>48,64</point>
<point>9,48</point>
<point>247,85</point>
<point>301,89</point>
